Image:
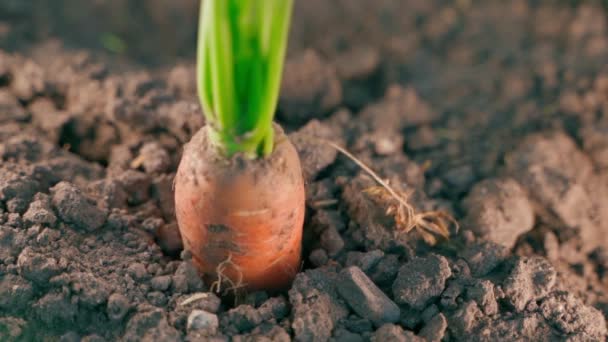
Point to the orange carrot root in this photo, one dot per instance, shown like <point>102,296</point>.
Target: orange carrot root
<point>241,219</point>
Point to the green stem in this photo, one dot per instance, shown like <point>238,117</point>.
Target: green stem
<point>222,66</point>
<point>275,56</point>
<point>241,53</point>
<point>203,62</point>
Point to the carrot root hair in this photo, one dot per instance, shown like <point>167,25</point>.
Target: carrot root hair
<point>224,284</point>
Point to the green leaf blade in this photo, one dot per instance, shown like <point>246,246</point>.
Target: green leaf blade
<point>242,46</point>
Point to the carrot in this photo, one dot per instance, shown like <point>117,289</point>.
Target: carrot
<point>239,190</point>
<point>248,211</point>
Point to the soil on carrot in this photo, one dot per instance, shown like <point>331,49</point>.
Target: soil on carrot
<point>494,111</point>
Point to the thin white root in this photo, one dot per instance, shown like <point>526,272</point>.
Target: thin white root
<point>222,278</point>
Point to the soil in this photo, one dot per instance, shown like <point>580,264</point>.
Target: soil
<point>495,111</point>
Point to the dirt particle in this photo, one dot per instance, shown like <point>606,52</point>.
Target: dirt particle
<point>14,220</point>
<point>11,109</point>
<point>483,257</point>
<point>385,270</point>
<point>392,332</point>
<point>181,79</point>
<point>324,219</point>
<point>241,319</point>
<point>551,246</point>
<point>184,304</point>
<point>154,158</point>
<point>315,155</point>
<point>73,207</point>
<point>400,108</point>
<point>15,293</point>
<point>138,271</point>
<point>365,298</point>
<point>117,307</point>
<point>11,242</point>
<point>570,316</point>
<point>318,257</point>
<point>531,279</point>
<point>161,283</point>
<point>202,320</point>
<point>364,260</point>
<point>40,212</point>
<point>358,324</point>
<point>11,328</point>
<point>316,308</point>
<point>435,329</point>
<point>36,267</point>
<point>423,138</point>
<point>28,80</point>
<point>17,189</point>
<point>162,190</point>
<point>150,324</point>
<point>459,178</point>
<point>119,158</point>
<point>342,335</point>
<point>465,319</point>
<point>482,292</point>
<point>46,116</point>
<point>421,280</point>
<point>275,308</point>
<point>499,210</point>
<point>152,224</point>
<point>169,239</point>
<point>136,184</point>
<point>109,193</point>
<point>186,278</point>
<point>157,299</point>
<point>561,176</point>
<point>91,290</point>
<point>56,309</point>
<point>182,119</point>
<point>358,63</point>
<point>264,332</point>
<point>331,241</point>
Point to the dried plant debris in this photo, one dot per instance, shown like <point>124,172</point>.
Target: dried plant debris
<point>431,225</point>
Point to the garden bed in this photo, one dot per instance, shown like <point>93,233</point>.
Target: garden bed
<point>496,113</point>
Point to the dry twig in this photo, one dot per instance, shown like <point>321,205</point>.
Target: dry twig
<point>428,223</point>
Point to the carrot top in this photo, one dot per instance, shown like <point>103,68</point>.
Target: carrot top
<point>240,57</point>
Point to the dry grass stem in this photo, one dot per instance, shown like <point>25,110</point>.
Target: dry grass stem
<point>429,224</point>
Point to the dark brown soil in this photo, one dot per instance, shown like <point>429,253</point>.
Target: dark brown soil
<point>496,111</point>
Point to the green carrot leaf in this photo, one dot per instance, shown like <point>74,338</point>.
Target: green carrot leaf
<point>240,58</point>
